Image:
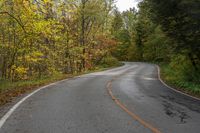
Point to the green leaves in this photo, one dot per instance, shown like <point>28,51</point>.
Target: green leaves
<point>41,37</point>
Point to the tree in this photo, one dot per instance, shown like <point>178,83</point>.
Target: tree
<point>180,20</point>
<point>40,38</point>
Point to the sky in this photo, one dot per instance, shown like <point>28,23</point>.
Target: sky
<point>124,5</point>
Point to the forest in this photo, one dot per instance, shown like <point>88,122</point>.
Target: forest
<point>46,38</point>
<point>164,32</point>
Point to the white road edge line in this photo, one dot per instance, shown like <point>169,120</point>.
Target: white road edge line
<point>10,112</point>
<point>158,68</point>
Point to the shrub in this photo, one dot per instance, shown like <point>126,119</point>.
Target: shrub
<point>109,61</point>
<point>183,69</point>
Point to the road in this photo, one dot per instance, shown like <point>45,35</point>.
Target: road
<point>128,99</point>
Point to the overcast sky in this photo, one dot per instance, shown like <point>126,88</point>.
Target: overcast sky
<point>124,5</point>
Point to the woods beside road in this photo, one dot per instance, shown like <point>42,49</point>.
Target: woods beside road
<point>42,39</point>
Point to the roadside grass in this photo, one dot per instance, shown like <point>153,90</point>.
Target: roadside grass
<point>9,90</point>
<point>6,85</point>
<point>177,80</point>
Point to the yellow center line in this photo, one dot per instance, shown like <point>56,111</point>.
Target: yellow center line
<point>132,114</point>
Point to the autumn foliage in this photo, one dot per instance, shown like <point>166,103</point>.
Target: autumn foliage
<point>43,37</point>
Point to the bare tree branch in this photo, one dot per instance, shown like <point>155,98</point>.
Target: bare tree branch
<point>18,21</point>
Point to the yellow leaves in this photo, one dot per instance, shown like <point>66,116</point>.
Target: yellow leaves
<point>46,1</point>
<point>21,70</point>
<point>41,26</point>
<point>37,54</point>
<point>47,29</point>
<point>34,57</point>
<point>52,40</point>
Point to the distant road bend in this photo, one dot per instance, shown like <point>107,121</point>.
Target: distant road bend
<point>127,99</point>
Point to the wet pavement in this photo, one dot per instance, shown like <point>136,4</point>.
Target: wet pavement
<point>83,105</point>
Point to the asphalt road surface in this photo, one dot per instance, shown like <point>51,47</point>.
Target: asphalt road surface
<point>128,99</point>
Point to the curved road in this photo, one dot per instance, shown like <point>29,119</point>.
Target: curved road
<point>128,99</point>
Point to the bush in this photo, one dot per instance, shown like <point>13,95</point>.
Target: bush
<point>184,69</point>
<point>109,61</point>
<point>180,75</point>
<point>19,73</point>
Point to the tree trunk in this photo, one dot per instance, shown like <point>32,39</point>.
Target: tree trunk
<point>193,61</point>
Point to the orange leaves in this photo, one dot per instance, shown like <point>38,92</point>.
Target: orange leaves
<point>106,43</point>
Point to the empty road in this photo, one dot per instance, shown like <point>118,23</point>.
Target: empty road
<point>127,99</point>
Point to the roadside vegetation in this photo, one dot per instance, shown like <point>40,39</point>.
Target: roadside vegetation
<point>165,32</point>
<point>10,89</point>
<point>42,41</point>
<point>180,80</point>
